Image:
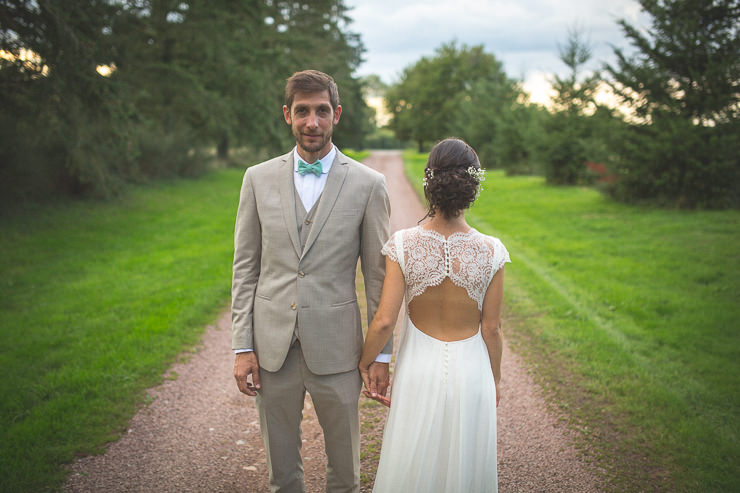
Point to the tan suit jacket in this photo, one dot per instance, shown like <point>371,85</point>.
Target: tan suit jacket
<point>277,287</point>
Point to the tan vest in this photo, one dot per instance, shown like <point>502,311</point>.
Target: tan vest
<point>304,220</point>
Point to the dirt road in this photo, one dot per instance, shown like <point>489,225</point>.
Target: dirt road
<point>199,434</point>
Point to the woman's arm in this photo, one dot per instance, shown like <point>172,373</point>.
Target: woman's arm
<point>381,327</point>
<point>491,326</point>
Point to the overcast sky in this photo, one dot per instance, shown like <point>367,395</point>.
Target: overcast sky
<point>523,35</point>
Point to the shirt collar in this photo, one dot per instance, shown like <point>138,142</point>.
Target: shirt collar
<point>326,161</point>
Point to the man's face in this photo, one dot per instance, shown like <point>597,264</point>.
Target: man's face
<point>312,121</point>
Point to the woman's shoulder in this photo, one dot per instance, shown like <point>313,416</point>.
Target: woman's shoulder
<point>476,236</point>
<point>495,246</point>
<point>402,238</point>
<point>407,232</point>
<point>498,250</point>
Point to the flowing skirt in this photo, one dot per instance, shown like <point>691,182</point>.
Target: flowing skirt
<point>441,429</point>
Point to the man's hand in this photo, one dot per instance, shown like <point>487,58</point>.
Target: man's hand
<point>378,378</point>
<point>245,365</point>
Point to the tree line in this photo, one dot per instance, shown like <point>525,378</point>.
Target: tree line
<point>98,93</point>
<point>672,139</point>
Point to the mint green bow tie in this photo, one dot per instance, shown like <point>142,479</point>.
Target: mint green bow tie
<point>314,168</point>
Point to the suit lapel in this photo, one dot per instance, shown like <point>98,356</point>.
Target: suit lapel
<point>334,181</point>
<point>287,199</point>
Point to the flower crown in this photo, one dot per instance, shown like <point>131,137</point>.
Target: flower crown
<point>478,173</point>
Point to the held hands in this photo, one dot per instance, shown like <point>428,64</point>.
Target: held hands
<point>376,379</point>
<point>245,365</point>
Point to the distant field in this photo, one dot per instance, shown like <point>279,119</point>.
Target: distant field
<point>630,317</point>
<point>96,300</point>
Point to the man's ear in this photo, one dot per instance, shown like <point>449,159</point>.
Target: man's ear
<point>337,113</point>
<point>286,115</point>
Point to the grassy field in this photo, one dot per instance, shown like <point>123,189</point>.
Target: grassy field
<point>97,299</point>
<point>630,318</point>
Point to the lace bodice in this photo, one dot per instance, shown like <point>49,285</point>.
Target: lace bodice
<point>426,258</point>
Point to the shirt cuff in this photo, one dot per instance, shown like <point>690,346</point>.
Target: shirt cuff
<point>383,358</point>
<point>237,351</point>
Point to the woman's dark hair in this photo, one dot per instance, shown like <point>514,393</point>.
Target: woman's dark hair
<point>449,186</point>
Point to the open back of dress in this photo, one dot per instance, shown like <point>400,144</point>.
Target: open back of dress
<point>446,278</point>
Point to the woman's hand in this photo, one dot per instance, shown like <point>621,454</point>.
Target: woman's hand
<point>386,401</point>
<point>498,394</point>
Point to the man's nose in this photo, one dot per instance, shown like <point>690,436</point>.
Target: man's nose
<point>313,120</point>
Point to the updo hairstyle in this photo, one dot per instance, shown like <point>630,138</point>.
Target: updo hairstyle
<point>451,178</point>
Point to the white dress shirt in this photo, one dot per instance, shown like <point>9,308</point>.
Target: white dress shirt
<point>310,186</point>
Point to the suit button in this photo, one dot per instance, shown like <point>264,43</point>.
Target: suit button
<point>301,274</point>
<point>294,306</point>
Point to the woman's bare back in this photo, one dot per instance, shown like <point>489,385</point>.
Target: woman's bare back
<point>445,312</point>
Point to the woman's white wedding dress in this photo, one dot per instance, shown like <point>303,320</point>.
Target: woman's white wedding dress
<point>441,430</point>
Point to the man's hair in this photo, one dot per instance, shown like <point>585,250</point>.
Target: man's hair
<point>311,81</point>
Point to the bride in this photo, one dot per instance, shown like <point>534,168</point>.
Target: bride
<point>441,429</point>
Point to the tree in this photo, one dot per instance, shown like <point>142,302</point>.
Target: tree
<point>570,130</point>
<point>424,103</point>
<point>682,87</point>
<point>185,76</point>
<point>574,93</point>
<point>493,121</point>
<point>56,107</point>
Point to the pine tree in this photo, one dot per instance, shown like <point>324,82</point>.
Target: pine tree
<point>570,131</point>
<point>683,89</point>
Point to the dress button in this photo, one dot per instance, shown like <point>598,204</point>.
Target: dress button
<point>301,274</point>
<point>293,306</point>
<point>307,222</point>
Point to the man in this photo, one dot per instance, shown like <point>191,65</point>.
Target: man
<point>304,219</point>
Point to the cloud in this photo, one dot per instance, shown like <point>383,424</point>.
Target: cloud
<point>523,35</point>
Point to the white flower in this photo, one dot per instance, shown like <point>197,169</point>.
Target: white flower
<point>428,175</point>
<point>478,173</point>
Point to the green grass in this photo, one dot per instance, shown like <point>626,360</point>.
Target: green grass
<point>630,318</point>
<point>97,300</point>
<point>356,155</point>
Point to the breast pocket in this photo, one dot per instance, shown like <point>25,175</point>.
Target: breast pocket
<point>344,218</point>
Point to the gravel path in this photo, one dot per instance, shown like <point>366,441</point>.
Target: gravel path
<point>199,434</point>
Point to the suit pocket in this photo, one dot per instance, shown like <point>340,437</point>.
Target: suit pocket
<point>346,212</point>
<point>262,297</point>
